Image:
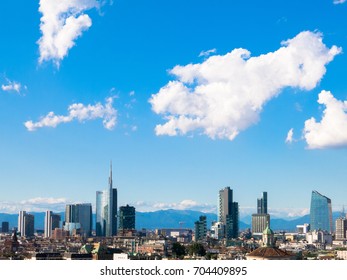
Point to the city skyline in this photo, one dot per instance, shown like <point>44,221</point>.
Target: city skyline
<point>184,106</point>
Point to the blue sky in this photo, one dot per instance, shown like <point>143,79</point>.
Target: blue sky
<point>185,97</point>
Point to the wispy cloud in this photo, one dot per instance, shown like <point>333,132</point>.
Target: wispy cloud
<point>289,138</point>
<point>12,86</point>
<point>225,94</point>
<point>62,22</point>
<point>331,131</point>
<point>336,2</point>
<point>207,53</point>
<point>81,113</point>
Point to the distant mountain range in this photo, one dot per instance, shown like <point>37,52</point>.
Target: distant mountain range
<point>175,219</point>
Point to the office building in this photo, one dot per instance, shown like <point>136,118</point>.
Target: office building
<point>25,224</point>
<point>126,217</point>
<point>262,205</point>
<point>5,227</point>
<point>78,219</point>
<point>106,210</point>
<point>201,229</point>
<point>51,222</point>
<point>262,219</point>
<point>320,212</point>
<point>228,213</point>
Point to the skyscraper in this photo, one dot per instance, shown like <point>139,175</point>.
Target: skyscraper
<point>320,212</point>
<point>106,210</point>
<point>228,213</point>
<point>25,224</point>
<point>51,222</point>
<point>262,204</point>
<point>262,219</point>
<point>79,217</point>
<point>126,217</point>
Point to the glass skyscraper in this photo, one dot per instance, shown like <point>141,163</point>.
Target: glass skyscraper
<point>106,210</point>
<point>228,213</point>
<point>321,212</point>
<point>79,217</point>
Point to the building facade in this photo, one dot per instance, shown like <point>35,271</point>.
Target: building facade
<point>26,224</point>
<point>78,219</point>
<point>106,210</point>
<point>321,212</point>
<point>52,222</point>
<point>5,227</point>
<point>341,228</point>
<point>228,213</point>
<point>259,223</point>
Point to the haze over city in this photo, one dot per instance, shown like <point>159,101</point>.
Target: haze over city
<point>185,98</point>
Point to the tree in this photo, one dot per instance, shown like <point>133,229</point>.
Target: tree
<point>196,249</point>
<point>178,250</point>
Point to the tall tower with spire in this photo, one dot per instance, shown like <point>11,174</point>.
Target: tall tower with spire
<point>106,209</point>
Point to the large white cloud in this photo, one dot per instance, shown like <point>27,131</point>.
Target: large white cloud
<point>331,131</point>
<point>226,93</point>
<point>80,112</point>
<point>62,22</point>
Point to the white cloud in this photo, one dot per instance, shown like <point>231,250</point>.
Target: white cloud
<point>207,53</point>
<point>226,93</point>
<point>11,86</point>
<point>38,204</point>
<point>331,131</point>
<point>81,113</point>
<point>289,138</point>
<point>339,2</point>
<point>62,22</point>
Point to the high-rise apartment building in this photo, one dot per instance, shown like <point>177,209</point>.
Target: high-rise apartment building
<point>201,229</point>
<point>126,217</point>
<point>321,212</point>
<point>262,219</point>
<point>106,210</point>
<point>228,213</point>
<point>26,224</point>
<point>79,217</point>
<point>51,222</point>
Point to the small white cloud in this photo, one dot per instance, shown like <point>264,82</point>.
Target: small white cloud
<point>207,53</point>
<point>81,113</point>
<point>12,86</point>
<point>62,22</point>
<point>132,93</point>
<point>225,94</point>
<point>289,138</point>
<point>336,2</point>
<point>331,131</point>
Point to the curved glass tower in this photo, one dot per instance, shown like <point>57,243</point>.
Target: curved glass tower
<point>320,212</point>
